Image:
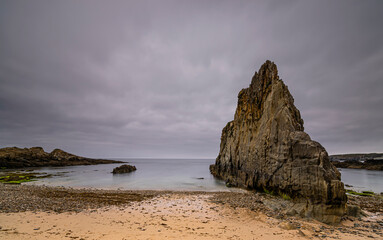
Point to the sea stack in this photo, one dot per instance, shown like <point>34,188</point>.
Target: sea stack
<point>265,148</point>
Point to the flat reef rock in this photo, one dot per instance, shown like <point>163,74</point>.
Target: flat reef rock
<point>14,157</point>
<point>265,148</point>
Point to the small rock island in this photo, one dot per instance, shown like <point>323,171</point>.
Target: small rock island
<point>14,157</point>
<point>265,148</point>
<point>124,169</point>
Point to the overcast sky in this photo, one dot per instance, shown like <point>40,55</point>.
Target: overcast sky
<point>161,78</point>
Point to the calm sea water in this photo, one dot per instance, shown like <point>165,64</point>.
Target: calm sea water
<point>362,180</point>
<point>173,174</point>
<point>151,174</point>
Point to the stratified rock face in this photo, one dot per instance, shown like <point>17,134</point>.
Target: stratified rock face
<point>264,147</point>
<point>14,157</point>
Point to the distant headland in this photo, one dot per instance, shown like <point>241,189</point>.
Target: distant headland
<point>369,161</point>
<point>14,157</point>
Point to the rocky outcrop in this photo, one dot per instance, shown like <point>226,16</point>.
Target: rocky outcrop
<point>265,148</point>
<point>367,164</point>
<point>14,157</point>
<point>356,157</point>
<point>369,161</point>
<point>124,169</point>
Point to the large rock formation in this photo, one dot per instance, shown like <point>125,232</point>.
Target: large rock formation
<point>14,157</point>
<point>265,148</point>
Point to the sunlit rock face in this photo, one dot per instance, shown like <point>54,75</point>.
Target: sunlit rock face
<point>265,148</point>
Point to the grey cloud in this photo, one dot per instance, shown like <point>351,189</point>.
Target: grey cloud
<point>160,78</point>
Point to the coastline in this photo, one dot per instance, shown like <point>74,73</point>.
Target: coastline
<point>40,212</point>
<point>376,165</point>
<point>19,158</point>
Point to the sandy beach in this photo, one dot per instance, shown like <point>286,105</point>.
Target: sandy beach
<point>160,215</point>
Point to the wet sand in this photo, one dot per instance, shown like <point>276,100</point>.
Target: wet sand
<point>174,215</point>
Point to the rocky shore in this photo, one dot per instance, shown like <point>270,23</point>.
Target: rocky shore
<point>20,198</point>
<point>25,197</point>
<point>55,212</point>
<point>367,164</point>
<point>14,157</point>
<point>356,157</point>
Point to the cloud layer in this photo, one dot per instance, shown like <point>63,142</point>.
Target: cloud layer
<point>160,78</point>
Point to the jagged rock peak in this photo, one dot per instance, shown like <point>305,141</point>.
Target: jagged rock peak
<point>252,100</point>
<point>264,147</point>
<point>267,74</point>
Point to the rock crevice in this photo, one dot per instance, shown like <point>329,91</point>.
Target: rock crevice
<point>265,148</point>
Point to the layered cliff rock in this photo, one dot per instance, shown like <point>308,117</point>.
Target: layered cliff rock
<point>265,148</point>
<point>14,157</point>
